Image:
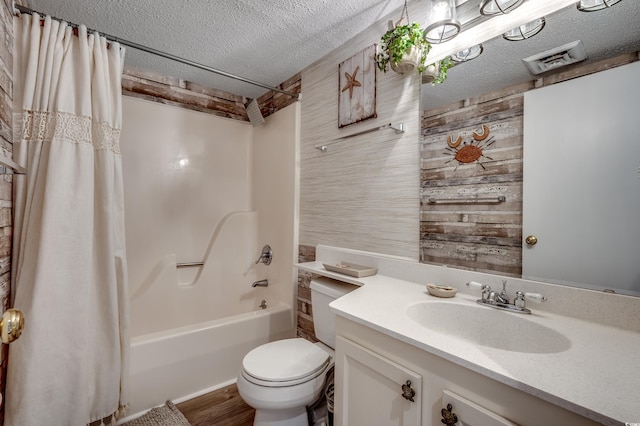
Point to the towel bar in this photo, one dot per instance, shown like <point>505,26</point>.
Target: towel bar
<point>189,264</point>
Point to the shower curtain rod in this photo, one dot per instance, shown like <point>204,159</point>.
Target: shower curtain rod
<point>137,46</point>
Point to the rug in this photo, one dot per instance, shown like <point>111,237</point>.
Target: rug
<point>165,415</point>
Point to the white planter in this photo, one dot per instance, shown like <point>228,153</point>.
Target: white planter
<point>430,73</point>
<point>409,63</point>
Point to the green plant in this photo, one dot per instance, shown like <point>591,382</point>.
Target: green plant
<point>444,66</point>
<point>398,41</point>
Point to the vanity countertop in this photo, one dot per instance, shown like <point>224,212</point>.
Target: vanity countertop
<point>597,376</point>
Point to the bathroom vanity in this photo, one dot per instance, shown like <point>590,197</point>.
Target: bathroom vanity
<point>403,356</point>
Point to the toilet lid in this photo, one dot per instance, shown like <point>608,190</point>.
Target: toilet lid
<point>285,360</point>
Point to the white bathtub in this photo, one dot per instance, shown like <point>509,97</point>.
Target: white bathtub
<point>185,362</point>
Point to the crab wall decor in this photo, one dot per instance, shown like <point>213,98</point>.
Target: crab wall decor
<point>472,151</point>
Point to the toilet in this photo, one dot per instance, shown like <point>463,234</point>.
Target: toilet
<point>279,379</point>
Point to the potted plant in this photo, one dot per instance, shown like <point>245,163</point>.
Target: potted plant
<point>403,49</point>
<point>437,72</point>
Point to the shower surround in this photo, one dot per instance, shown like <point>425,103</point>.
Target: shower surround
<point>200,188</point>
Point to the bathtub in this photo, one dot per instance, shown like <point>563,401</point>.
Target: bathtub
<point>182,363</point>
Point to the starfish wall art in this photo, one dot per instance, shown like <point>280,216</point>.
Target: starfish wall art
<point>357,88</point>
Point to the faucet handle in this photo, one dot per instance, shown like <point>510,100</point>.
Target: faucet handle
<point>266,255</point>
<point>535,297</point>
<point>483,288</point>
<point>474,285</point>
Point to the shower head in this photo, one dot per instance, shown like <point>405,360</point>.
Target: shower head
<point>253,111</point>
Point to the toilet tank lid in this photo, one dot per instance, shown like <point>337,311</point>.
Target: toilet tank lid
<point>330,287</point>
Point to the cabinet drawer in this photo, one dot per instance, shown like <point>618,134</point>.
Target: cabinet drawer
<point>470,413</point>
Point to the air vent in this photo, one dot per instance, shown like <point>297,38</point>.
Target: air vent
<point>557,57</point>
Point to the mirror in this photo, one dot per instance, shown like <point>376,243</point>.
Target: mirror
<point>494,246</point>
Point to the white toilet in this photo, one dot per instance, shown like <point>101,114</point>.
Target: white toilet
<point>279,379</point>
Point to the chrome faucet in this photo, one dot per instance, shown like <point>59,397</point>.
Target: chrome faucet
<point>501,300</point>
<point>502,297</point>
<point>261,283</point>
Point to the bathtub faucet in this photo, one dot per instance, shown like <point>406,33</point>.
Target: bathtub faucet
<point>261,283</point>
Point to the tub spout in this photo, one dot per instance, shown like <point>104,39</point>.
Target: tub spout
<point>261,283</point>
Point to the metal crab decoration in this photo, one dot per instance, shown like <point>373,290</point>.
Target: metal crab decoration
<point>472,151</point>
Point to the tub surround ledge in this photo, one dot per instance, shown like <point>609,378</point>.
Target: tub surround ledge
<point>596,376</point>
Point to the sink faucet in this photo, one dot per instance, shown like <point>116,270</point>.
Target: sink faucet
<point>502,297</point>
<point>501,300</point>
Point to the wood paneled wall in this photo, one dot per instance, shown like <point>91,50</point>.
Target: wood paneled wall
<point>177,92</point>
<point>481,236</point>
<point>305,327</point>
<point>6,195</point>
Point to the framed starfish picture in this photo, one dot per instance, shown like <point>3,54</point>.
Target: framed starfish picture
<point>357,88</point>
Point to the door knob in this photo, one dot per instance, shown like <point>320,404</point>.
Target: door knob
<point>531,240</point>
<point>11,325</point>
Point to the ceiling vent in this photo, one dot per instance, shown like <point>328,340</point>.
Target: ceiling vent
<point>557,57</point>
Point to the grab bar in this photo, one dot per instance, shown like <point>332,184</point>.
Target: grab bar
<point>499,199</point>
<point>189,264</point>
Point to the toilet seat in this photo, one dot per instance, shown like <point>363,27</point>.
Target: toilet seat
<point>284,363</point>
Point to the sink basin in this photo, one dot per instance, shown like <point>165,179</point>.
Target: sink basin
<point>488,327</point>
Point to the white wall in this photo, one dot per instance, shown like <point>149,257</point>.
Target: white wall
<point>276,170</point>
<point>189,196</point>
<point>363,193</point>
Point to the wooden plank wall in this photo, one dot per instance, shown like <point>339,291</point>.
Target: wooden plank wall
<point>482,237</point>
<point>177,92</point>
<point>304,309</point>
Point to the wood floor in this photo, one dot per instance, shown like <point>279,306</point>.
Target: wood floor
<point>223,407</point>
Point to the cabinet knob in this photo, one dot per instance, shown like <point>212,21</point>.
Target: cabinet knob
<point>449,418</point>
<point>11,325</point>
<point>407,392</point>
<point>531,240</point>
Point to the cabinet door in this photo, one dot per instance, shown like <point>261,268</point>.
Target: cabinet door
<point>369,389</point>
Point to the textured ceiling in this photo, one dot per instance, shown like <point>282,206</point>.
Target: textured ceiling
<point>270,41</point>
<point>266,41</point>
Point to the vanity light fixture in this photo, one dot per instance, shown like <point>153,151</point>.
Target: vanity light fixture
<point>525,31</point>
<point>498,7</point>
<point>467,54</point>
<point>442,23</point>
<point>593,5</point>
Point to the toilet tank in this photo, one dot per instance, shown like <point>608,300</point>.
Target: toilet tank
<point>324,291</point>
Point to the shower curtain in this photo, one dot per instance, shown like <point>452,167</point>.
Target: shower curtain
<point>70,366</point>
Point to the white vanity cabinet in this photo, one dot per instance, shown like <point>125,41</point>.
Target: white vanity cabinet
<point>372,367</point>
<point>374,388</point>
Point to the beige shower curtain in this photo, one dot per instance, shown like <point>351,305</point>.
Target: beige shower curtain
<point>70,366</point>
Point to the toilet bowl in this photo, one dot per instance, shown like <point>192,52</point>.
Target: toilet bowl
<point>281,389</point>
<point>279,379</point>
